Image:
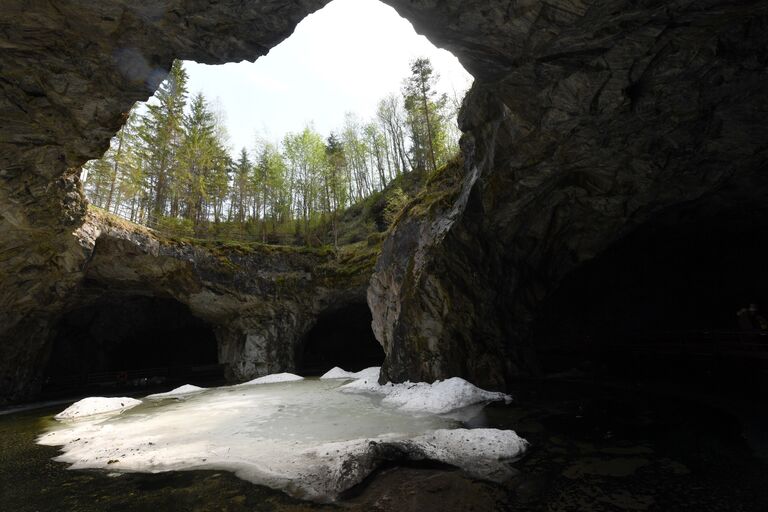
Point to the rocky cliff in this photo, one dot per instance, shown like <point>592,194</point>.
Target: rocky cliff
<point>587,120</point>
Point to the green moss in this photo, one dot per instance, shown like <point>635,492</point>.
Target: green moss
<point>442,188</point>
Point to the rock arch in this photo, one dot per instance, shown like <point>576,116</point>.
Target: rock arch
<point>586,120</point>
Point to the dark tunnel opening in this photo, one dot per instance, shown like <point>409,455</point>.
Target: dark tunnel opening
<point>124,342</point>
<point>662,305</point>
<point>341,337</point>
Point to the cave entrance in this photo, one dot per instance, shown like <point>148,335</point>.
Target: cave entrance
<point>125,342</point>
<point>341,337</point>
<point>663,304</point>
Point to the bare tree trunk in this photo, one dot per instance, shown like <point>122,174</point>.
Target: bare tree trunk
<point>114,173</point>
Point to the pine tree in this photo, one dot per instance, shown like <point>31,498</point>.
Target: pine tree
<point>203,170</point>
<point>161,133</point>
<point>241,192</point>
<point>425,115</point>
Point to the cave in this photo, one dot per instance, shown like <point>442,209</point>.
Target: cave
<point>663,303</point>
<point>341,337</point>
<point>132,341</point>
<point>590,129</point>
<point>583,122</point>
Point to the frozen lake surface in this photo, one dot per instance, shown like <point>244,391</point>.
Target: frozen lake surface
<point>304,437</point>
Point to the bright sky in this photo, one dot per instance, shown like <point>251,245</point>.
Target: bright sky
<point>344,58</point>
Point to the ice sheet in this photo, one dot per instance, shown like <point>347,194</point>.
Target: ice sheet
<point>303,437</point>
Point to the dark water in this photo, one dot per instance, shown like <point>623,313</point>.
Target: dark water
<point>594,447</point>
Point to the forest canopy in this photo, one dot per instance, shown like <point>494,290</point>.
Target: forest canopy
<point>169,166</point>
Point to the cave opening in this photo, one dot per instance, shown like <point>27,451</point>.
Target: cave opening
<point>341,337</point>
<point>134,341</point>
<point>668,302</point>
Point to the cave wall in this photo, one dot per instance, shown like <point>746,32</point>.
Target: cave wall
<point>586,119</point>
<point>605,115</point>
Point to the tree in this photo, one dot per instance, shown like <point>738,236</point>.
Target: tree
<point>270,181</point>
<point>204,165</point>
<point>425,115</point>
<point>305,156</point>
<point>170,163</point>
<point>355,151</point>
<point>241,189</point>
<point>392,119</point>
<point>161,133</point>
<point>335,182</point>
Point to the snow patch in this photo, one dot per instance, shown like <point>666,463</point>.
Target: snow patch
<point>367,374</point>
<point>97,405</point>
<point>275,378</point>
<point>478,451</point>
<point>180,391</point>
<point>440,397</point>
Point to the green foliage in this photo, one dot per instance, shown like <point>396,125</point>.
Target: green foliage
<point>426,117</point>
<point>169,168</point>
<point>396,200</point>
<point>175,226</point>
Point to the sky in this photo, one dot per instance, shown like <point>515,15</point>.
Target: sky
<point>343,58</point>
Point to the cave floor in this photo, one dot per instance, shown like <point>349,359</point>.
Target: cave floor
<point>594,448</point>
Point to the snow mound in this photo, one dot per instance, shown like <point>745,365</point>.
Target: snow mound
<point>367,374</point>
<point>275,378</point>
<point>481,452</point>
<point>440,397</point>
<point>97,405</point>
<point>180,391</point>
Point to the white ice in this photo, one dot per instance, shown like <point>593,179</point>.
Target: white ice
<point>339,373</point>
<point>184,390</point>
<point>303,437</point>
<point>440,397</point>
<point>275,378</point>
<point>97,405</point>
